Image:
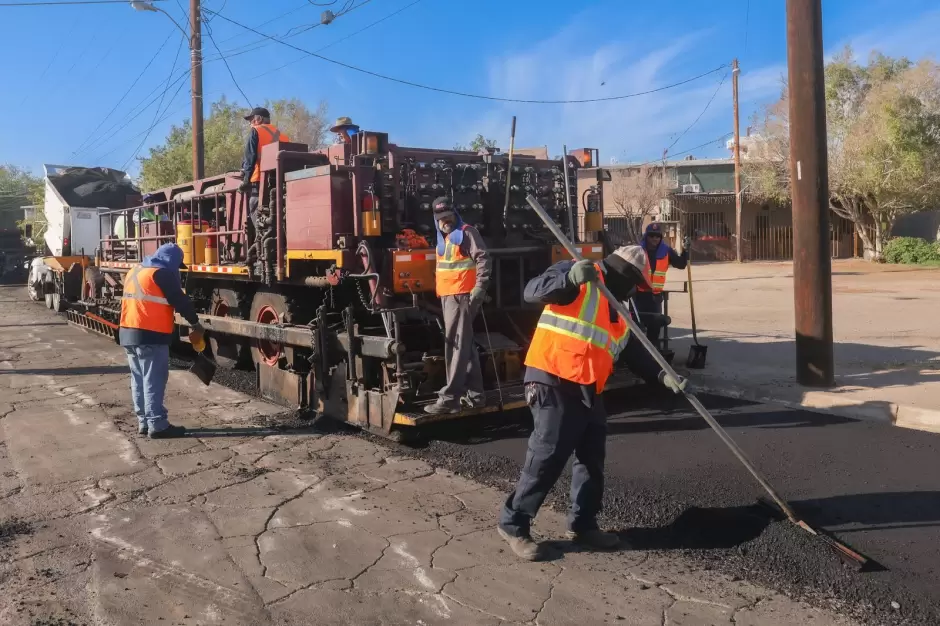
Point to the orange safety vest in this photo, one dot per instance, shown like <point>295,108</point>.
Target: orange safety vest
<point>456,272</point>
<point>657,276</point>
<point>267,133</point>
<point>143,305</point>
<point>577,341</point>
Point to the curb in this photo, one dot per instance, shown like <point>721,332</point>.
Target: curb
<point>829,403</point>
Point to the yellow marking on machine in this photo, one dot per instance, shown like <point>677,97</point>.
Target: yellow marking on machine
<point>63,263</point>
<point>404,419</point>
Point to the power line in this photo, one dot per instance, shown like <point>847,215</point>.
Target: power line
<point>694,122</point>
<point>55,56</point>
<point>64,2</point>
<point>156,113</point>
<point>121,99</point>
<point>462,93</point>
<point>341,40</point>
<point>747,19</point>
<point>227,66</point>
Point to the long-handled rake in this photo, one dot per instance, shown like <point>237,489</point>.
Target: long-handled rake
<point>840,548</point>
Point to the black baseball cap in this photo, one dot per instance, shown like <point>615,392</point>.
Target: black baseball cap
<point>442,206</point>
<point>263,112</point>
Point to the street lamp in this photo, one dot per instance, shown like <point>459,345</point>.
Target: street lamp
<point>195,54</point>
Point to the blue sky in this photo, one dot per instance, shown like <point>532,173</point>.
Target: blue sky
<point>66,68</point>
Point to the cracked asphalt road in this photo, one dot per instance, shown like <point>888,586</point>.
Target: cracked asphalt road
<point>242,522</point>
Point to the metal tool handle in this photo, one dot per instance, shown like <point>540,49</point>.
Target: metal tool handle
<point>688,268</point>
<point>661,361</point>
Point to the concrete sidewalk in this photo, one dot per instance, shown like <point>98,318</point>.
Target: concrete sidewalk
<point>242,524</point>
<point>887,347</point>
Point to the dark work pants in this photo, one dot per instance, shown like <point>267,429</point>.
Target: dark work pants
<point>648,302</point>
<point>564,425</point>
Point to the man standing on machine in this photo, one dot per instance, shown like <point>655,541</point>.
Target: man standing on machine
<point>578,339</point>
<point>649,298</point>
<point>463,274</point>
<point>261,133</point>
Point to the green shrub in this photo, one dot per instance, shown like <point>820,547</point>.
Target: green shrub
<point>911,250</point>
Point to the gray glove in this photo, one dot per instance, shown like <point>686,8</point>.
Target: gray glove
<point>582,272</point>
<point>686,243</point>
<point>674,385</point>
<point>477,296</point>
<point>245,185</point>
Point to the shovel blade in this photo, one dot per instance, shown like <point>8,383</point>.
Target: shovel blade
<point>696,360</point>
<point>204,369</point>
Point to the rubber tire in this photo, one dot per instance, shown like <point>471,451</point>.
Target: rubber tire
<point>59,305</point>
<point>230,352</point>
<point>34,294</point>
<point>48,299</point>
<point>261,300</point>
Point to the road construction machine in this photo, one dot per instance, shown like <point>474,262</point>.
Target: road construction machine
<point>330,295</point>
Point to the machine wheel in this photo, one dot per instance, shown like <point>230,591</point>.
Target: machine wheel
<point>48,298</point>
<point>230,352</point>
<point>59,305</point>
<point>267,308</point>
<point>34,294</point>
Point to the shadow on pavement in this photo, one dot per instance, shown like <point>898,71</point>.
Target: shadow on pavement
<point>702,529</point>
<point>93,370</point>
<point>874,511</point>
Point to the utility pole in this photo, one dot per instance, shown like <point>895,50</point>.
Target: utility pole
<point>812,266</point>
<point>735,70</point>
<point>195,54</point>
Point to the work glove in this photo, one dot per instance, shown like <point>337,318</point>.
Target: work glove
<point>674,385</point>
<point>245,185</point>
<point>197,337</point>
<point>582,272</point>
<point>686,243</point>
<point>477,296</point>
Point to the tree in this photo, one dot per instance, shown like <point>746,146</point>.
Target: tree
<point>477,144</point>
<point>637,193</point>
<point>225,133</point>
<point>883,127</point>
<point>20,188</point>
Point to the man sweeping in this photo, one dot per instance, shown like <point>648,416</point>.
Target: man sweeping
<point>576,343</point>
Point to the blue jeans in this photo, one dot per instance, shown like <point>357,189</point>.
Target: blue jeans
<point>563,426</point>
<point>150,370</point>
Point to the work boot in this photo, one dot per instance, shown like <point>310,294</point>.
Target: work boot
<point>473,402</point>
<point>595,538</point>
<point>171,432</point>
<point>439,408</point>
<point>142,430</point>
<point>524,547</point>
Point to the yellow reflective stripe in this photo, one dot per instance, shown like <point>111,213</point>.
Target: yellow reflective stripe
<point>455,265</point>
<point>574,328</point>
<point>138,292</point>
<point>552,326</point>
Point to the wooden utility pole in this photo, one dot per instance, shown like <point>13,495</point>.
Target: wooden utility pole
<point>738,234</point>
<point>195,54</point>
<point>812,265</point>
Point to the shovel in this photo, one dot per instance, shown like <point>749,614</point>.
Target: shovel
<point>697,351</point>
<point>203,367</point>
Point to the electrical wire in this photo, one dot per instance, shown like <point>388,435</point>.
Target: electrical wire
<point>121,99</point>
<point>65,2</point>
<point>55,56</point>
<point>695,121</point>
<point>462,93</point>
<point>330,45</point>
<point>227,66</point>
<point>747,19</point>
<point>156,114</point>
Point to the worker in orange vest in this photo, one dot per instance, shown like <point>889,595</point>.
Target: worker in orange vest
<point>261,133</point>
<point>462,275</point>
<point>578,339</point>
<point>152,294</point>
<point>649,298</point>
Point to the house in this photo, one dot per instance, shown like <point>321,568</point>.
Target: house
<point>697,195</point>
